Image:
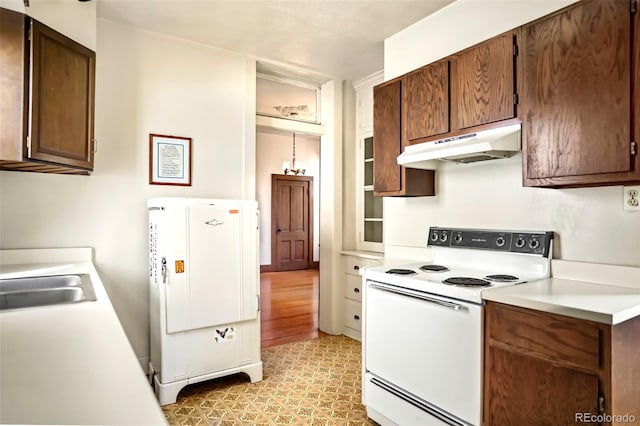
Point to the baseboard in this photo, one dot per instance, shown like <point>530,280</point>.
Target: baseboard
<point>266,268</point>
<point>144,364</point>
<point>270,268</point>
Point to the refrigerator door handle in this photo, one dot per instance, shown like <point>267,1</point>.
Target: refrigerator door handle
<point>214,222</point>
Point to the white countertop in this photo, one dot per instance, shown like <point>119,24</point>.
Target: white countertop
<point>69,364</point>
<point>608,304</point>
<point>363,254</point>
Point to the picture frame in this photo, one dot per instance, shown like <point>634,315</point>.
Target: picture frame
<point>169,160</point>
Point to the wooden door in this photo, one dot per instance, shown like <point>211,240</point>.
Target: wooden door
<point>63,75</point>
<point>292,222</point>
<point>577,96</point>
<point>485,83</point>
<point>425,106</point>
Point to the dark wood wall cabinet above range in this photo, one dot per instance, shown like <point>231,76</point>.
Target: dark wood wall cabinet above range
<point>55,76</point>
<point>581,95</point>
<point>472,90</point>
<point>543,368</point>
<point>390,179</point>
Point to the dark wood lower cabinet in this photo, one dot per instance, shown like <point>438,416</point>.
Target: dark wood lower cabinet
<point>548,369</point>
<point>557,392</point>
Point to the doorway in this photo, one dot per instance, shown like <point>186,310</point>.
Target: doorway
<point>291,222</point>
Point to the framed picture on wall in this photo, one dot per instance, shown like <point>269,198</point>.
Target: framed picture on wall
<point>169,160</point>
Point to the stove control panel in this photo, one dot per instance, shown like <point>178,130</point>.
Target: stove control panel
<point>509,241</point>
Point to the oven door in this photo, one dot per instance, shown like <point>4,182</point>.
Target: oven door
<point>427,346</point>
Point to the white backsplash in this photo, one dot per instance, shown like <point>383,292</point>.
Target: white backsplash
<point>589,223</point>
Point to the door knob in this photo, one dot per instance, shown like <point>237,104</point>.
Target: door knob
<point>278,230</point>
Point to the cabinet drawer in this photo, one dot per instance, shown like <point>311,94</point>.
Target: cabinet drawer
<point>353,314</point>
<point>353,287</point>
<point>554,337</point>
<point>352,265</point>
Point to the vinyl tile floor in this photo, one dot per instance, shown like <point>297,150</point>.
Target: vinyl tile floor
<point>314,382</point>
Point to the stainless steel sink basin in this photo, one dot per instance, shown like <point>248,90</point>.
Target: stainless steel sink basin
<point>29,292</point>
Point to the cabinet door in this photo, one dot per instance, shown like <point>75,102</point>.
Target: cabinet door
<point>485,82</point>
<point>13,100</point>
<point>389,179</point>
<point>386,137</point>
<point>62,85</point>
<point>577,96</point>
<point>521,390</point>
<point>426,102</point>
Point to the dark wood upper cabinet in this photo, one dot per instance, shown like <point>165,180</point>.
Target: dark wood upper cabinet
<point>485,82</point>
<point>390,179</point>
<point>577,78</point>
<point>386,137</point>
<point>55,77</point>
<point>62,97</point>
<point>426,102</point>
<point>471,90</point>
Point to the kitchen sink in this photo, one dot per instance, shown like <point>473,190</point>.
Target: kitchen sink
<point>30,292</point>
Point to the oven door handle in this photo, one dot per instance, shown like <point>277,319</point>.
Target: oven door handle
<point>415,295</point>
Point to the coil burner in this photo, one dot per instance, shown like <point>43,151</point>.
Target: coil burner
<point>467,282</point>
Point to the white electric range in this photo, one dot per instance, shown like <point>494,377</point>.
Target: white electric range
<point>423,323</point>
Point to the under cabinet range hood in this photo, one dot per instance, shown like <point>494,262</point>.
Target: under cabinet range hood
<point>502,142</point>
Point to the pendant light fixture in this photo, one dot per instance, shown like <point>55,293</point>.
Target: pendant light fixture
<point>293,168</point>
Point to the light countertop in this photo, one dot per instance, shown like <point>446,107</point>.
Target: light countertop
<point>608,304</point>
<point>372,255</point>
<point>69,364</point>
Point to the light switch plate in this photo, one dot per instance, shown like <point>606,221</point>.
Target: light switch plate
<point>631,198</point>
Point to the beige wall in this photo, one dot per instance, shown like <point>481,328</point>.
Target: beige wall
<point>145,83</point>
<point>590,222</point>
<point>273,147</point>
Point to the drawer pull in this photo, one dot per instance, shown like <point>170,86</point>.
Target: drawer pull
<point>356,317</point>
<point>356,267</point>
<point>356,290</point>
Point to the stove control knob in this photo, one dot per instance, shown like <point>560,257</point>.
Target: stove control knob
<point>434,236</point>
<point>444,237</point>
<point>534,244</point>
<point>520,242</point>
<point>458,238</point>
<point>500,241</point>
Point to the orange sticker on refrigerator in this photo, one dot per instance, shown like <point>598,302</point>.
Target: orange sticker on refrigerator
<point>234,211</point>
<point>179,266</point>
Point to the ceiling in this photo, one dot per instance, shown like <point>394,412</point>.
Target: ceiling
<point>316,39</point>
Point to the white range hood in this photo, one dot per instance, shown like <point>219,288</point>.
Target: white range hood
<point>502,142</point>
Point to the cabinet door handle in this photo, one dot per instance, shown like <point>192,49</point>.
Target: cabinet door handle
<point>356,317</point>
<point>356,290</point>
<point>95,146</point>
<point>356,267</point>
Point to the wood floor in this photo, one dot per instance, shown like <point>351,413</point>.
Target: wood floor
<point>289,306</point>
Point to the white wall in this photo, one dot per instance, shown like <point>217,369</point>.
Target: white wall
<point>74,19</point>
<point>590,223</point>
<point>348,167</point>
<point>145,83</point>
<point>458,26</point>
<point>274,147</point>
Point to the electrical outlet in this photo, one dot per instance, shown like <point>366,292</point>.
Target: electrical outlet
<point>631,198</point>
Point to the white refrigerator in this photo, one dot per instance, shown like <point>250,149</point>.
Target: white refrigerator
<point>204,292</point>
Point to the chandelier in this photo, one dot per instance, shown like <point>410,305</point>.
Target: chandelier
<point>293,168</point>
